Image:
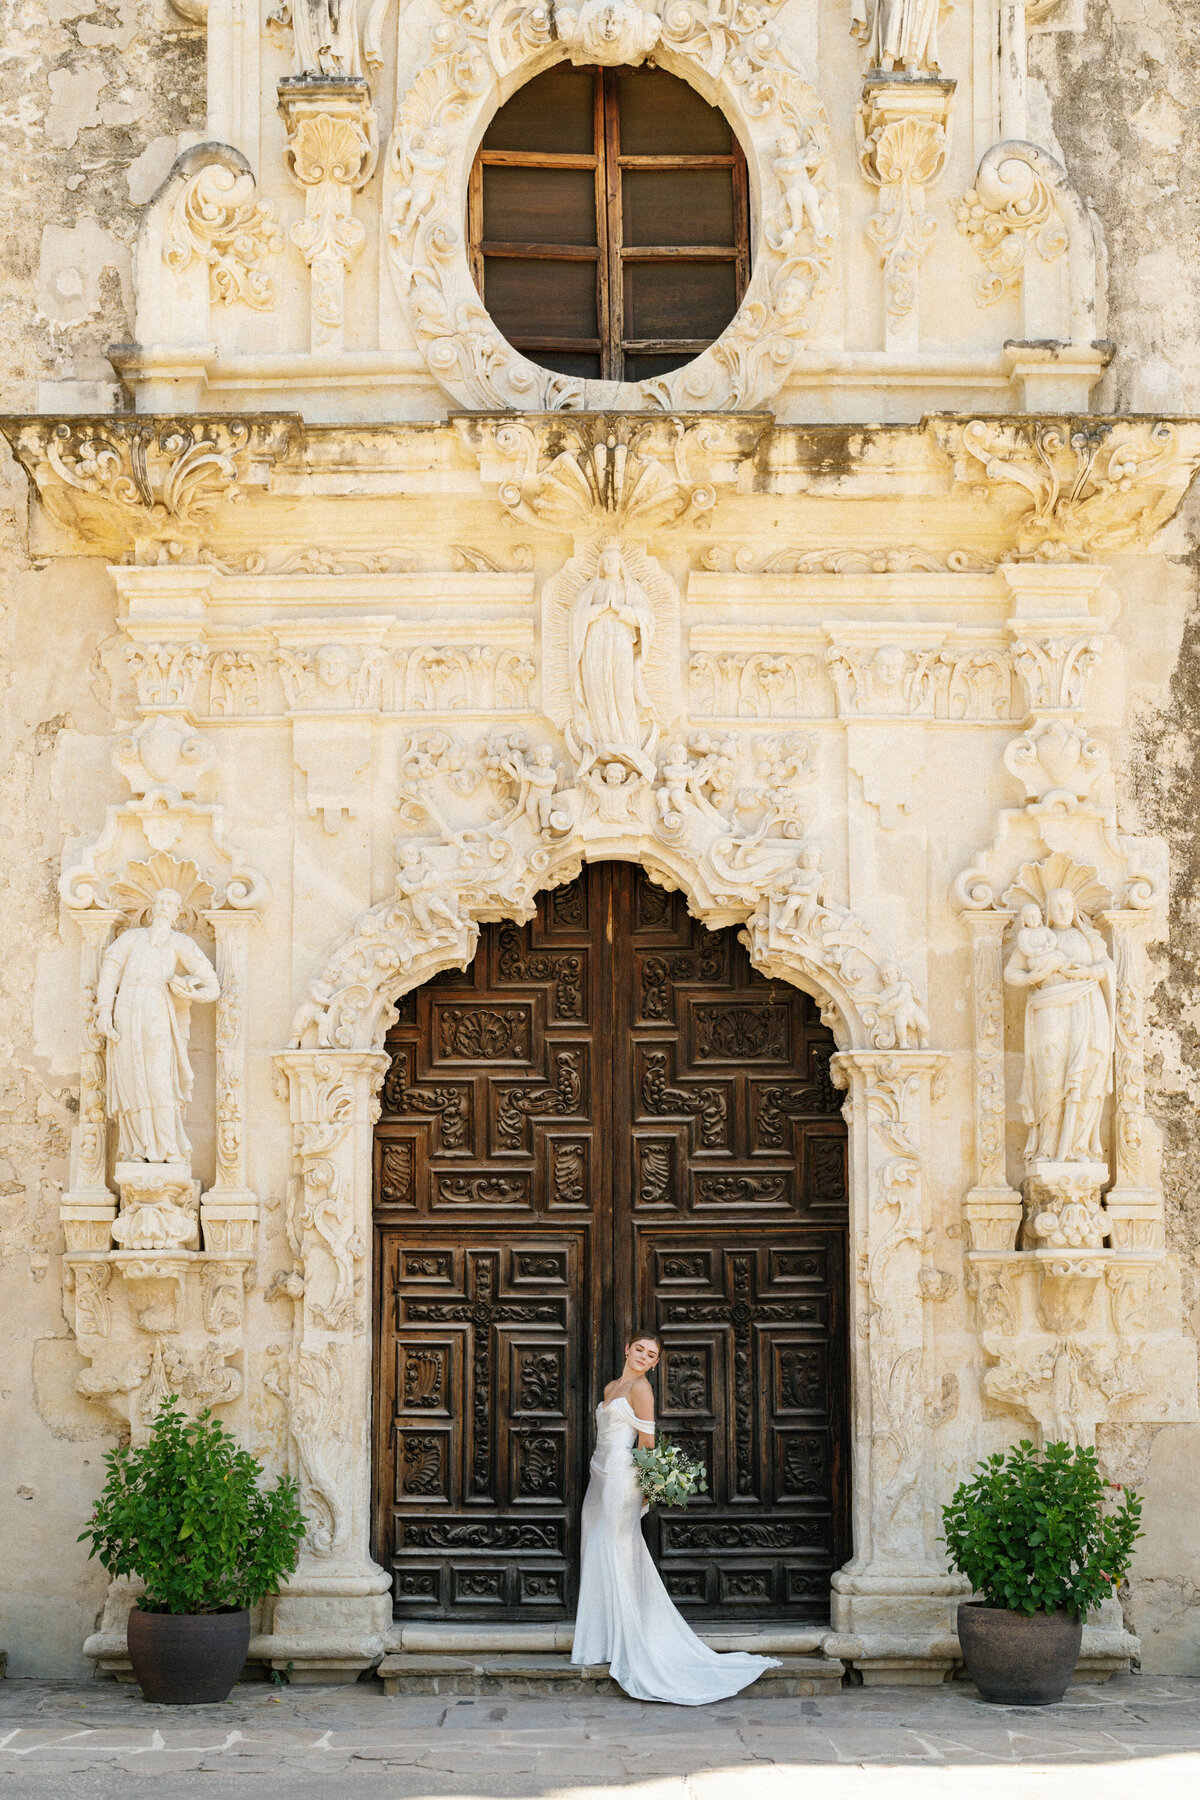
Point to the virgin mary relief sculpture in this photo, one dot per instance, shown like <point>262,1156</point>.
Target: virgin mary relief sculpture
<point>610,631</point>
<point>149,978</point>
<point>1069,1030</point>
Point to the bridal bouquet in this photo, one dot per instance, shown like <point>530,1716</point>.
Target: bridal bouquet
<point>666,1477</point>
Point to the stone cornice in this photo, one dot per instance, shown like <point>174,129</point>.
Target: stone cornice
<point>222,489</point>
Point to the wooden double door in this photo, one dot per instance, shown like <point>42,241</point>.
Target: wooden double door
<point>610,1119</point>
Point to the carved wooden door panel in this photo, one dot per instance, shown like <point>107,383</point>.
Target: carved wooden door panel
<point>730,1209</point>
<point>608,1117</point>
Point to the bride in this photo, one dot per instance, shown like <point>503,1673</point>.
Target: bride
<point>625,1616</point>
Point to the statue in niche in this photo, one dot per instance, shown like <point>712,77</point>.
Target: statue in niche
<point>1069,1029</point>
<point>150,977</point>
<point>898,34</point>
<point>611,628</point>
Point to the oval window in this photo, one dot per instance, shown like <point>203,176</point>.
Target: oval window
<point>608,220</point>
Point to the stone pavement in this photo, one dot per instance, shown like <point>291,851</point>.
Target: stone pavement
<point>1138,1735</point>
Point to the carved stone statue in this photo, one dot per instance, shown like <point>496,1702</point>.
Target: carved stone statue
<point>418,882</point>
<point>799,899</point>
<point>149,978</point>
<point>898,34</point>
<point>1069,1041</point>
<point>899,1014</point>
<point>611,627</point>
<point>795,165</point>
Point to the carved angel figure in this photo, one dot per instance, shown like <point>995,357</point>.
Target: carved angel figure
<point>898,34</point>
<point>800,896</point>
<point>609,32</point>
<point>610,629</point>
<point>149,978</point>
<point>1069,1030</point>
<point>427,155</point>
<point>417,881</point>
<point>795,165</point>
<point>671,795</point>
<point>899,1014</point>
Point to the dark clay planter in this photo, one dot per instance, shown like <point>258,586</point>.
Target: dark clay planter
<point>188,1659</point>
<point>1019,1659</point>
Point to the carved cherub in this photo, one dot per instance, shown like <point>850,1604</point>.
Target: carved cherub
<point>671,796</point>
<point>427,156</point>
<point>1038,944</point>
<point>417,882</point>
<point>799,898</point>
<point>899,1009</point>
<point>795,165</point>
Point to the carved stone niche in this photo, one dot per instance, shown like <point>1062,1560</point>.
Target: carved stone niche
<point>155,1289</point>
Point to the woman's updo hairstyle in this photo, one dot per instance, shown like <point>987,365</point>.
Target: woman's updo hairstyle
<point>645,1337</point>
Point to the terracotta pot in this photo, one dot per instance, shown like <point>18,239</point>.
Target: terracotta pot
<point>1018,1659</point>
<point>188,1659</point>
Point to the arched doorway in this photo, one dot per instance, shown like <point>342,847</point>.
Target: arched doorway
<point>609,1117</point>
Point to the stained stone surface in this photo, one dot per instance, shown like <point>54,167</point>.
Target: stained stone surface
<point>102,1739</point>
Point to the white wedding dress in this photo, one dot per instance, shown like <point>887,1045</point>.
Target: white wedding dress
<point>625,1616</point>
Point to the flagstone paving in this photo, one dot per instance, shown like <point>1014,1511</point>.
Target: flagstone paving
<point>1137,1735</point>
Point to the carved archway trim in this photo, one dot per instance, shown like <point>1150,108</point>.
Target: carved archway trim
<point>476,59</point>
<point>388,950</point>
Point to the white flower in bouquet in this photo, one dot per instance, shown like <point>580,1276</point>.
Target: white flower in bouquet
<point>666,1477</point>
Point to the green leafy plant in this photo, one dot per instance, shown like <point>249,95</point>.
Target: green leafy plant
<point>666,1477</point>
<point>1032,1534</point>
<point>185,1512</point>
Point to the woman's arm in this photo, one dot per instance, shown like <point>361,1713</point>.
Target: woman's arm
<point>641,1398</point>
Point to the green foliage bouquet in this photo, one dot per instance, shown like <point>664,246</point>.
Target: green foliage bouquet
<point>666,1477</point>
<point>1031,1534</point>
<point>185,1512</point>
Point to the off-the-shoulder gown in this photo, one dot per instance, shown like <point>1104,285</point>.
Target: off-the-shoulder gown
<point>625,1616</point>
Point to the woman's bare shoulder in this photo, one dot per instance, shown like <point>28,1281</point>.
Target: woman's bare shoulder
<point>641,1395</point>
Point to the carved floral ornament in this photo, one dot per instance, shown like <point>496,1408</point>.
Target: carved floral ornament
<point>488,827</point>
<point>478,56</point>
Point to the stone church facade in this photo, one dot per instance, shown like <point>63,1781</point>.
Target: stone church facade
<point>507,842</point>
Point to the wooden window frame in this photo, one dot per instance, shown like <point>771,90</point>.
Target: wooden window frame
<point>610,254</point>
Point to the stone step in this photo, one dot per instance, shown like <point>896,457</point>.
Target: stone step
<point>410,1672</point>
<point>435,1637</point>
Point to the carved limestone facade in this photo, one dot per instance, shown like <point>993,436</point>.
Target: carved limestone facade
<point>834,629</point>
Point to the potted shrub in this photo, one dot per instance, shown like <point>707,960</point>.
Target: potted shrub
<point>1032,1536</point>
<point>184,1511</point>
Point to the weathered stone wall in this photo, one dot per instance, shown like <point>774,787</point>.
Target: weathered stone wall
<point>98,99</point>
<point>1120,100</point>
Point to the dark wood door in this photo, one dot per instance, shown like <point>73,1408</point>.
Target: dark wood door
<point>609,1118</point>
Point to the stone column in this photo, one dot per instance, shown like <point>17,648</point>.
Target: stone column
<point>89,1206</point>
<point>330,1620</point>
<point>892,1604</point>
<point>331,150</point>
<point>992,1208</point>
<point>229,1210</point>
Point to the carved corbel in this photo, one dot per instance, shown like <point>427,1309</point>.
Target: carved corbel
<point>145,490</point>
<point>332,147</point>
<point>902,146</point>
<point>1071,489</point>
